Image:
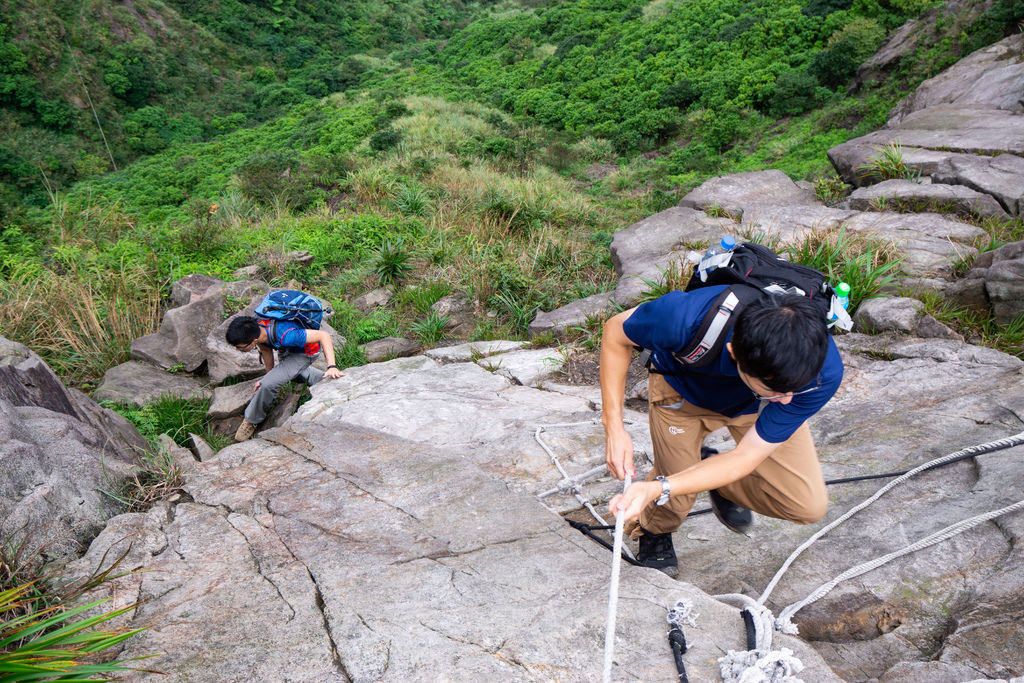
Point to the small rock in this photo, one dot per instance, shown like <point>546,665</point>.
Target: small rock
<point>231,400</point>
<point>932,328</point>
<point>246,273</point>
<point>200,448</point>
<point>388,348</point>
<point>898,314</point>
<point>135,383</point>
<point>373,299</point>
<point>300,258</point>
<point>192,287</point>
<point>575,314</point>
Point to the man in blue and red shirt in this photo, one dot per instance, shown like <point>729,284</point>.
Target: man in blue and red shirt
<point>297,348</point>
<point>777,369</point>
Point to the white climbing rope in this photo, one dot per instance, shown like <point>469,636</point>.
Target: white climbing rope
<point>764,664</point>
<point>999,443</point>
<point>758,666</point>
<point>613,593</point>
<point>784,622</point>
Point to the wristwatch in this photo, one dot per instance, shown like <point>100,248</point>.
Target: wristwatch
<point>665,491</point>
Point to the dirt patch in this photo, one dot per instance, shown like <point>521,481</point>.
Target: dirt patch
<point>584,369</point>
<point>598,171</point>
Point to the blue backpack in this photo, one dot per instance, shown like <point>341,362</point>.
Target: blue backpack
<point>294,306</point>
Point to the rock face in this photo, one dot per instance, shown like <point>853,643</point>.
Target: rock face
<point>392,530</point>
<point>962,127</point>
<point>928,197</point>
<point>360,554</point>
<point>58,450</point>
<point>1002,273</point>
<point>991,78</point>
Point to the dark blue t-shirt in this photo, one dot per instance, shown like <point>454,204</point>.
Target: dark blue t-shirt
<point>667,325</point>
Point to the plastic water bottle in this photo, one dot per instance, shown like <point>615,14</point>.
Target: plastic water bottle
<point>843,295</point>
<point>716,256</point>
<point>837,314</point>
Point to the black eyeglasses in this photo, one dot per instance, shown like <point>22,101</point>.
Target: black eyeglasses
<point>788,394</point>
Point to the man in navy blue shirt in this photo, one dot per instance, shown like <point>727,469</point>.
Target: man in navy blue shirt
<point>297,348</point>
<point>778,367</point>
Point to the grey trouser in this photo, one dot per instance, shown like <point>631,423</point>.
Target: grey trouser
<point>288,367</point>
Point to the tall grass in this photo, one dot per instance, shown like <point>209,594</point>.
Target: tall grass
<point>976,327</point>
<point>888,164</point>
<point>42,637</point>
<point>80,321</point>
<point>866,265</point>
<point>673,277</point>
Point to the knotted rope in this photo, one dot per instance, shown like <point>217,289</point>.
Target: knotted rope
<point>569,483</point>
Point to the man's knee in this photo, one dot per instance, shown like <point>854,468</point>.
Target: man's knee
<point>810,511</point>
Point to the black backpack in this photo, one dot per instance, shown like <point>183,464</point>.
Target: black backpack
<point>752,271</point>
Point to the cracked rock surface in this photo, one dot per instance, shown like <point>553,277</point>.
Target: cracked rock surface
<point>348,552</point>
<point>392,530</point>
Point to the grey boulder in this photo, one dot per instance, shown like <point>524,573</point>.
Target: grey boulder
<point>926,197</point>
<point>135,383</point>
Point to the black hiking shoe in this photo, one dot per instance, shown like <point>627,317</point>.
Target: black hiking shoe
<point>656,551</point>
<point>734,517</point>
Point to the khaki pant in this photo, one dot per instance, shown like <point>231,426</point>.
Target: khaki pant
<point>788,484</point>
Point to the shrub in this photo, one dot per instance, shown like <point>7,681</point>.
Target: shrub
<point>266,175</point>
<point>391,261</point>
<point>171,415</point>
<point>836,64</point>
<point>888,164</point>
<point>560,156</point>
<point>866,265</point>
<point>697,157</point>
<point>385,139</point>
<point>395,110</point>
<point>680,94</point>
<point>412,201</point>
<point>424,296</point>
<point>822,8</point>
<point>520,308</point>
<point>430,330</point>
<point>793,93</point>
<point>39,642</point>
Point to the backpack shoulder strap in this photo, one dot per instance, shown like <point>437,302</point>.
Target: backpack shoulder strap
<point>270,325</point>
<point>708,341</point>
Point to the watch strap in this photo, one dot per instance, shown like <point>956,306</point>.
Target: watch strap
<point>666,491</point>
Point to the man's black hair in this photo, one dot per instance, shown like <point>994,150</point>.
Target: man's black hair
<point>781,341</point>
<point>242,330</point>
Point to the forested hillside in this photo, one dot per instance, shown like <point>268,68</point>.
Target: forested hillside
<point>88,87</point>
<point>485,149</point>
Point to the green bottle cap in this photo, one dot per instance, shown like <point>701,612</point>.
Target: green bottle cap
<point>843,289</point>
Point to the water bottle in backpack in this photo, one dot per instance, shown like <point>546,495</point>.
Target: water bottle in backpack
<point>837,314</point>
<point>716,256</point>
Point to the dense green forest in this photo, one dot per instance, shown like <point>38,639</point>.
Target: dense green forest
<point>485,148</point>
